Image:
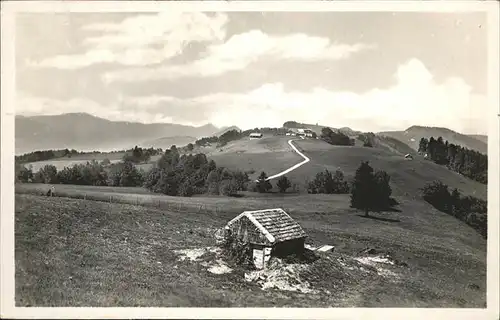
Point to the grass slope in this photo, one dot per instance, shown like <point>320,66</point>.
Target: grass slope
<point>72,252</point>
<point>407,176</point>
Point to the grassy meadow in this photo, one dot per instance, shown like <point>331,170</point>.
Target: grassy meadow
<point>73,252</point>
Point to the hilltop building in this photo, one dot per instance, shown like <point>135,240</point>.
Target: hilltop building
<point>303,132</point>
<point>270,232</point>
<point>255,135</point>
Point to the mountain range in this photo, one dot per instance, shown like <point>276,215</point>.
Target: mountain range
<point>85,132</point>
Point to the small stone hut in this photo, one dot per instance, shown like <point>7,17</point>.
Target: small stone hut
<point>269,232</point>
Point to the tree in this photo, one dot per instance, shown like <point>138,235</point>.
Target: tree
<point>437,194</point>
<point>241,180</point>
<point>212,182</point>
<point>422,145</point>
<point>190,147</point>
<point>283,184</point>
<point>383,190</point>
<point>228,187</point>
<point>46,174</point>
<point>340,186</point>
<point>130,176</point>
<point>186,188</point>
<point>263,185</point>
<point>23,174</point>
<point>363,193</point>
<point>325,182</point>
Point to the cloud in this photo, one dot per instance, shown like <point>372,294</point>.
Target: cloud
<point>29,105</point>
<point>240,50</point>
<point>142,40</point>
<point>415,98</point>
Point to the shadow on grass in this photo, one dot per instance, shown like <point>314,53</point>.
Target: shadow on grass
<point>379,218</point>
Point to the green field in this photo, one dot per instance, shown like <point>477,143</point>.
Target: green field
<point>114,246</point>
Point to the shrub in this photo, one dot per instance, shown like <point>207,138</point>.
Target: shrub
<point>263,185</point>
<point>283,184</point>
<point>325,182</point>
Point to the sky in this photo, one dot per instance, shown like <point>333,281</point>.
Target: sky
<point>371,71</point>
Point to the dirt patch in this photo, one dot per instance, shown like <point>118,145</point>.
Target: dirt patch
<point>213,262</point>
<point>219,267</point>
<point>194,254</point>
<point>281,276</point>
<point>378,263</point>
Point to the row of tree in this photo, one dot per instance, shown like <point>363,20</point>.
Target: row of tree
<point>336,138</point>
<point>93,173</point>
<point>44,155</point>
<point>468,209</point>
<point>221,140</point>
<point>187,175</point>
<point>139,155</point>
<point>134,153</point>
<point>470,163</point>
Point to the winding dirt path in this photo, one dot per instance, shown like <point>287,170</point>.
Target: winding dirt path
<point>306,160</point>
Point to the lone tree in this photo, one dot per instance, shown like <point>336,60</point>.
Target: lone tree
<point>263,185</point>
<point>283,184</point>
<point>370,191</point>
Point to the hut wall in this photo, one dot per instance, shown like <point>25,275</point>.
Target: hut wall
<point>294,246</point>
<point>244,230</point>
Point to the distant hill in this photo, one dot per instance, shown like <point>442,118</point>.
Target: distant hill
<point>413,134</point>
<point>226,129</point>
<point>480,137</point>
<point>167,142</point>
<point>85,132</point>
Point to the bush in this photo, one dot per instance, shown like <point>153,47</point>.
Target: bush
<point>325,182</point>
<point>237,251</point>
<point>263,185</point>
<point>228,187</point>
<point>283,184</point>
<point>46,174</point>
<point>23,174</point>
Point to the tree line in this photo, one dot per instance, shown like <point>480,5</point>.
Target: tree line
<point>60,153</point>
<point>469,163</point>
<point>471,210</point>
<point>336,138</point>
<point>92,173</point>
<point>188,174</point>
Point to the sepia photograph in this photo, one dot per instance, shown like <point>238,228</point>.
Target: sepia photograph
<point>234,155</point>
